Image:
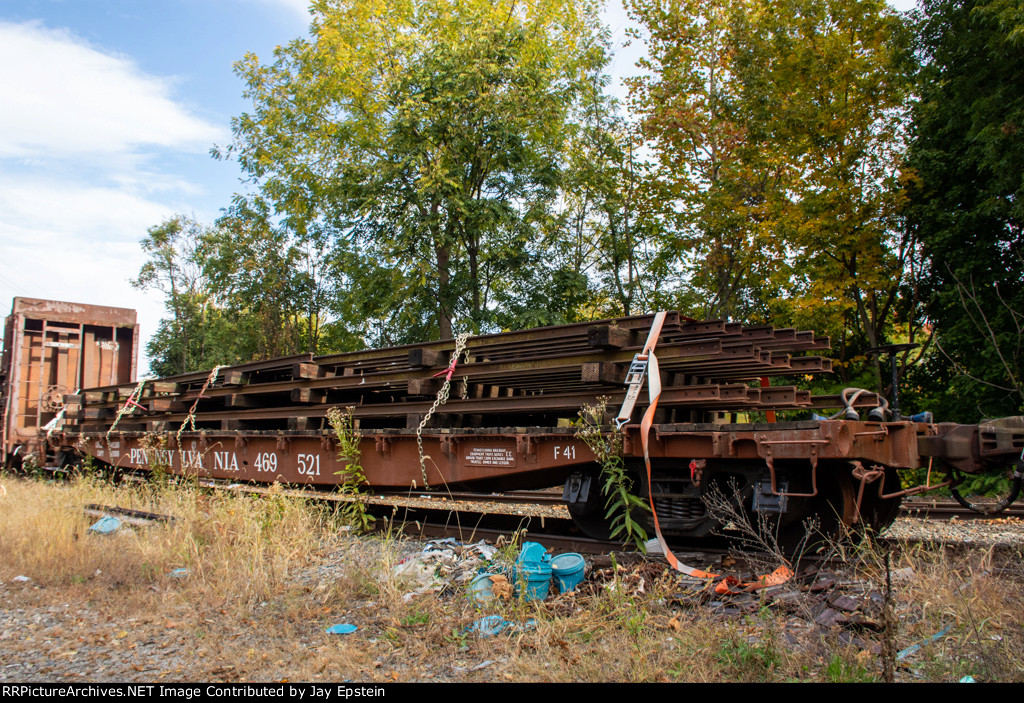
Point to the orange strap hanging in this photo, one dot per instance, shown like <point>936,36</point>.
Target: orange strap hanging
<point>646,364</point>
<point>650,369</point>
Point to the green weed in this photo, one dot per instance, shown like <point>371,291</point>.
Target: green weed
<point>353,478</point>
<point>616,484</point>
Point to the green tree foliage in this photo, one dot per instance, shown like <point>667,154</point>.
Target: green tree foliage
<point>189,339</point>
<point>778,129</point>
<point>239,291</point>
<point>832,81</point>
<point>715,181</point>
<point>607,230</point>
<point>284,284</point>
<point>429,134</point>
<point>967,201</point>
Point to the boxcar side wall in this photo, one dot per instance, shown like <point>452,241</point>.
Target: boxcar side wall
<point>52,349</point>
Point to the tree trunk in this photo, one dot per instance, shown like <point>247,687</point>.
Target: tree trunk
<point>444,318</point>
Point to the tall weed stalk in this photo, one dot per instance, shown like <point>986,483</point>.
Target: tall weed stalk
<point>353,478</point>
<point>616,484</point>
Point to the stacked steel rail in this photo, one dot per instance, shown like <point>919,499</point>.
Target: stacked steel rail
<point>506,424</point>
<point>535,377</point>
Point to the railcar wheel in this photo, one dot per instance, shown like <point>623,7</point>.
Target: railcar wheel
<point>587,504</point>
<point>582,494</point>
<point>878,513</point>
<point>811,523</point>
<point>592,523</point>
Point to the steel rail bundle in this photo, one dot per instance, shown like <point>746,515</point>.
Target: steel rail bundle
<point>509,424</point>
<point>547,373</point>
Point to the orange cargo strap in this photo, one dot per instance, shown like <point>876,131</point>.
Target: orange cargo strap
<point>646,364</point>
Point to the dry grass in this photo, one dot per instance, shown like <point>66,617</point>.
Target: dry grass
<point>981,599</point>
<point>241,547</point>
<point>267,575</point>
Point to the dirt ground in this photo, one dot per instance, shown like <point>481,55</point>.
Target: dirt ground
<point>242,591</point>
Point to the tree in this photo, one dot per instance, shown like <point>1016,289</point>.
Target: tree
<point>430,135</point>
<point>716,183</point>
<point>967,201</point>
<point>607,225</point>
<point>239,291</point>
<point>283,283</point>
<point>832,82</point>
<point>175,268</point>
<point>779,129</point>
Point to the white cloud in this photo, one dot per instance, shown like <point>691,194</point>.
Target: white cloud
<point>63,98</point>
<point>37,209</point>
<point>61,241</point>
<point>298,6</point>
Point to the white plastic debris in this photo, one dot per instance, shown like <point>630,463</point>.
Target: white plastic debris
<point>653,546</point>
<point>106,525</point>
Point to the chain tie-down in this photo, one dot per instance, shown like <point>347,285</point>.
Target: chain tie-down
<point>442,398</point>
<point>190,419</point>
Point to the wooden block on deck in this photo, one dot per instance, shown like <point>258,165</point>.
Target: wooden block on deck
<point>303,423</point>
<point>609,337</point>
<point>238,400</point>
<point>677,379</point>
<point>308,395</point>
<point>413,420</point>
<point>235,378</point>
<point>166,405</point>
<point>603,372</point>
<point>424,386</point>
<point>426,358</point>
<point>308,371</point>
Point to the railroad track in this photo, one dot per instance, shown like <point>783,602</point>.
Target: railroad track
<point>535,515</point>
<point>519,502</point>
<point>943,509</point>
<point>545,504</point>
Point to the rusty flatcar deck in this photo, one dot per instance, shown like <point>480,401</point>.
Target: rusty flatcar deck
<point>508,423</point>
<point>505,458</point>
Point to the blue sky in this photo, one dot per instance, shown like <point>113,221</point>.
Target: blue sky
<point>108,111</point>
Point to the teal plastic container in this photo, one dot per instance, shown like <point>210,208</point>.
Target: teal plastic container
<point>534,580</point>
<point>481,589</point>
<point>567,570</point>
<point>533,553</point>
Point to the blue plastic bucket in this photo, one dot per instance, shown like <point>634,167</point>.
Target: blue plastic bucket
<point>533,553</point>
<point>534,580</point>
<point>568,571</point>
<point>481,589</point>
